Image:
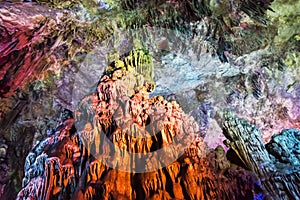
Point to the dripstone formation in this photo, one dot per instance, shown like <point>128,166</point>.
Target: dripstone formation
<point>125,142</point>
<point>85,156</point>
<point>276,163</point>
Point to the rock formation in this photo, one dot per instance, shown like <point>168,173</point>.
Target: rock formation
<point>85,157</point>
<point>284,147</point>
<point>42,43</point>
<point>276,163</point>
<point>3,166</point>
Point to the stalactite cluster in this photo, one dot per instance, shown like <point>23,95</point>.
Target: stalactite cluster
<point>76,162</point>
<point>125,142</point>
<point>278,171</point>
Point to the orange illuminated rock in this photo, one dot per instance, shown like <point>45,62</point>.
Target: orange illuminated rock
<point>117,131</point>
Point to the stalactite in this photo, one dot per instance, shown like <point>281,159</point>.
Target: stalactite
<point>74,171</point>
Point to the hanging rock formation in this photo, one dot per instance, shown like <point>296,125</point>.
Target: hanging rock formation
<point>77,161</point>
<point>276,163</point>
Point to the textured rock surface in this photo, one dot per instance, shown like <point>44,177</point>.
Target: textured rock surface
<point>65,165</point>
<point>3,165</point>
<point>246,87</point>
<point>276,165</point>
<point>284,147</point>
<point>32,50</point>
<point>37,45</point>
<point>29,35</point>
<point>42,43</point>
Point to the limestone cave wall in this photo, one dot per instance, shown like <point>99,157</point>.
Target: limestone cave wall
<point>130,99</point>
